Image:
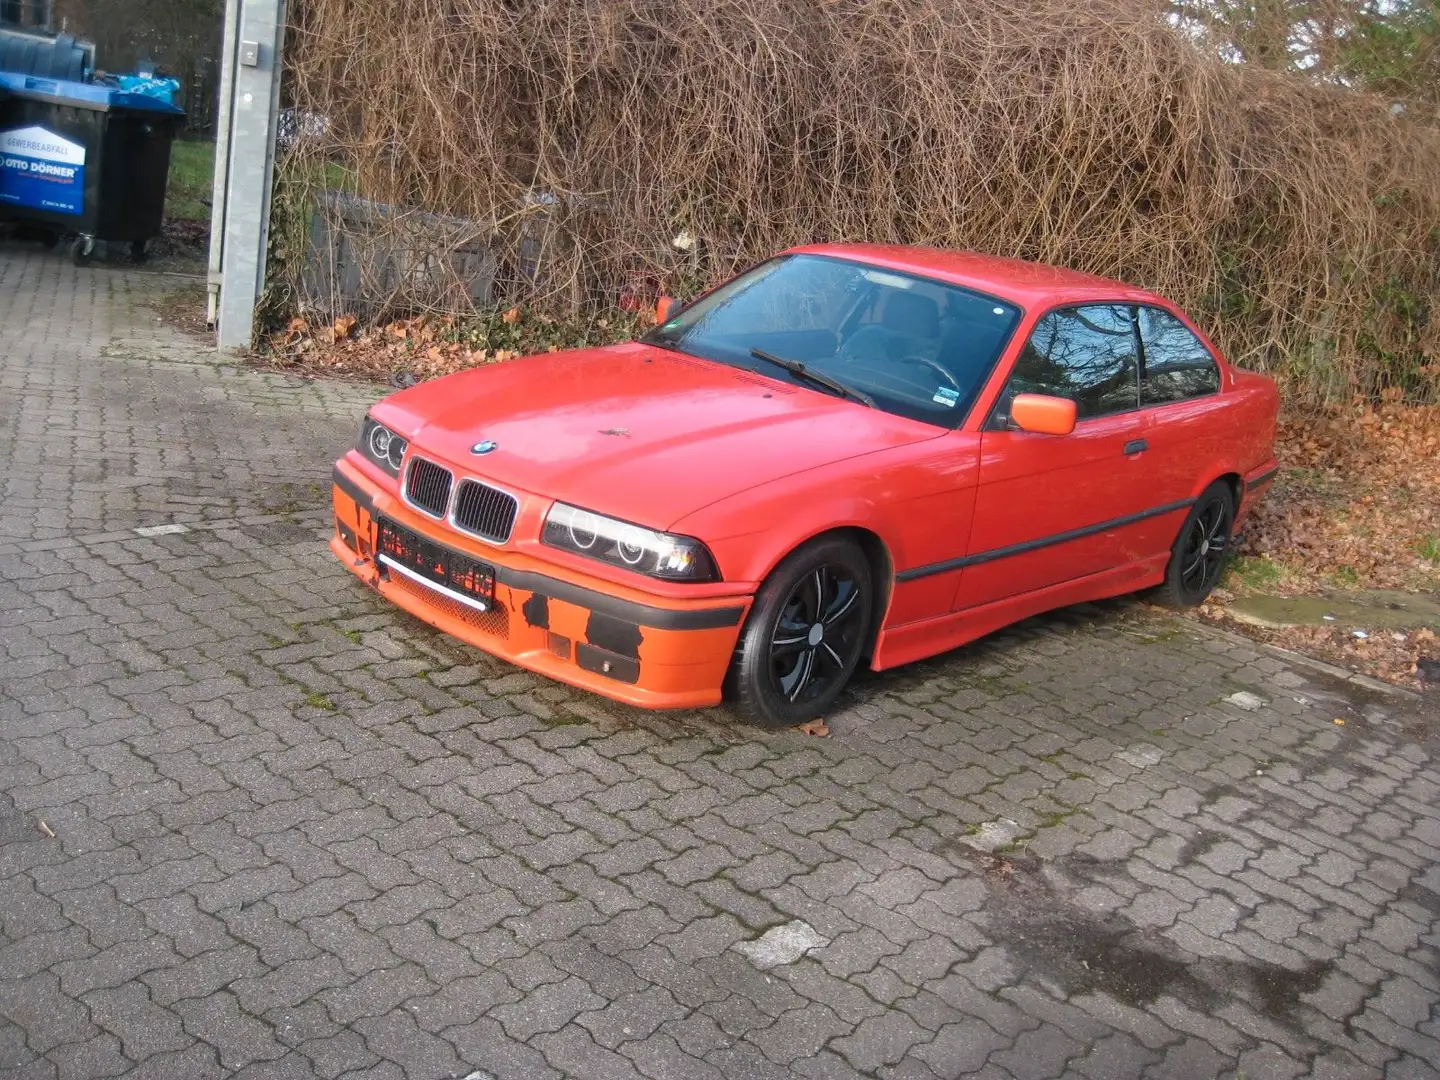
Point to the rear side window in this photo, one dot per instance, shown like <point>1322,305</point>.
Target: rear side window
<point>1087,354</point>
<point>1177,365</point>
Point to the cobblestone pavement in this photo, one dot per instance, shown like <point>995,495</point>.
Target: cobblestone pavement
<point>255,822</point>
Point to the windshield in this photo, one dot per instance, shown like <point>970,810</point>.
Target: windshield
<point>914,346</point>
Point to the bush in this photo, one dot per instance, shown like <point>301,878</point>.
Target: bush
<point>577,139</point>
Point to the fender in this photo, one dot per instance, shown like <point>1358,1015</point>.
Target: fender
<point>917,499</point>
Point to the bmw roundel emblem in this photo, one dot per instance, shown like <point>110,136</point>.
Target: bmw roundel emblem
<point>484,446</point>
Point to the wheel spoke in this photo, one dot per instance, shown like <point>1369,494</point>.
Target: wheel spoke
<point>801,675</point>
<point>841,607</point>
<point>833,656</point>
<point>788,646</point>
<point>1194,552</point>
<point>818,585</point>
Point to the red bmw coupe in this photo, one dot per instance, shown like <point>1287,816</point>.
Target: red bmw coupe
<point>846,454</point>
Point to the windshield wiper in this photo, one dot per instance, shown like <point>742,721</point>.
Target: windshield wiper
<point>816,377</point>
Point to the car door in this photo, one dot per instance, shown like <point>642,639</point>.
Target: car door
<point>1051,509</point>
<point>1180,394</point>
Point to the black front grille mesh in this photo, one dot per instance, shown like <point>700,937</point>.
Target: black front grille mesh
<point>485,511</point>
<point>427,486</point>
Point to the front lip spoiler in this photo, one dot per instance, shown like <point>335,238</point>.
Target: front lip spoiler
<point>630,611</point>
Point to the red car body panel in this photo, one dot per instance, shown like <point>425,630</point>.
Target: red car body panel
<point>637,432</point>
<point>971,528</point>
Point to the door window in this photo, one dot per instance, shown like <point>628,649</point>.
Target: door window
<point>1087,354</point>
<point>1177,365</point>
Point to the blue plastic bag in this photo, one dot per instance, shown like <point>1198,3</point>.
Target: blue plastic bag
<point>151,86</point>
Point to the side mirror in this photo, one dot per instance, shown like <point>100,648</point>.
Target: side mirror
<point>665,307</point>
<point>1042,414</point>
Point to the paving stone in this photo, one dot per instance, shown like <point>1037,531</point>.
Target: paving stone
<point>282,851</point>
<point>881,1040</point>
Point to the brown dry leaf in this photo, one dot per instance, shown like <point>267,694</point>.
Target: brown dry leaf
<point>511,316</point>
<point>344,326</point>
<point>299,326</point>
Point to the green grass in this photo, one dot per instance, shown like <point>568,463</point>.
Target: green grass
<point>192,172</point>
<point>1346,577</point>
<point>1429,548</point>
<point>1255,573</point>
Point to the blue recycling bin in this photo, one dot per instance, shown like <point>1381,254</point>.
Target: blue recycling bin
<point>82,160</point>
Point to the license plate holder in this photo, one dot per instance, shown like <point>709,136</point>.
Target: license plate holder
<point>434,563</point>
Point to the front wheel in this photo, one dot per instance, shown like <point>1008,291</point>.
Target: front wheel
<point>804,636</point>
<point>1198,557</point>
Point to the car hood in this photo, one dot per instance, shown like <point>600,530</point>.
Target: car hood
<point>635,431</point>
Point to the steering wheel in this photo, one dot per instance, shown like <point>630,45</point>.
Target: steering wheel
<point>925,361</point>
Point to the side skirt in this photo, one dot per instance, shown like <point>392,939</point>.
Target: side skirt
<point>915,641</point>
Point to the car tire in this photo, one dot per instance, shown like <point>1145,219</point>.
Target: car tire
<point>806,632</point>
<point>1197,558</point>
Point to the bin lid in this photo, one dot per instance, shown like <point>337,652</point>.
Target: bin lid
<point>83,95</point>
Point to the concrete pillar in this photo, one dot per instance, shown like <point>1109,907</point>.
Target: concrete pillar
<point>244,165</point>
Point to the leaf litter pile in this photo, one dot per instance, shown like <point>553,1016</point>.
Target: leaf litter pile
<point>1356,504</point>
<point>403,352</point>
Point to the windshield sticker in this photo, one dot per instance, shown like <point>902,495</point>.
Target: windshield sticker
<point>947,396</point>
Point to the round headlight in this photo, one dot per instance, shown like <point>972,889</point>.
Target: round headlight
<point>395,452</point>
<point>380,442</point>
<point>582,529</point>
<point>631,544</point>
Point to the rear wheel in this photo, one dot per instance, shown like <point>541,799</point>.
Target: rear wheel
<point>804,636</point>
<point>1198,557</point>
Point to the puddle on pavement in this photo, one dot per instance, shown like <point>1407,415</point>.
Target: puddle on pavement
<point>1084,952</point>
<point>1378,609</point>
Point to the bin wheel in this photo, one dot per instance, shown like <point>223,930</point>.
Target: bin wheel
<point>139,250</point>
<point>82,250</point>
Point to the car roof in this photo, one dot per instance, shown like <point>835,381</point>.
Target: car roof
<point>1029,284</point>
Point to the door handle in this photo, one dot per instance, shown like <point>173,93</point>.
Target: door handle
<point>1135,446</point>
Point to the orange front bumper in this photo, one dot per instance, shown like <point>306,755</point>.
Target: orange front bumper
<point>655,653</point>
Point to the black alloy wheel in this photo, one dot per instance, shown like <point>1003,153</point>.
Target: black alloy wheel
<point>805,635</point>
<point>1198,558</point>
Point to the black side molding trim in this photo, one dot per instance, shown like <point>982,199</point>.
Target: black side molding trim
<point>349,487</point>
<point>625,610</point>
<point>1268,474</point>
<point>1035,545</point>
